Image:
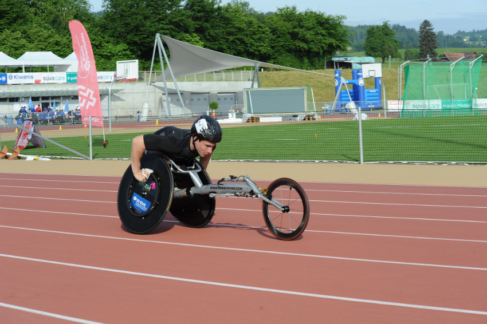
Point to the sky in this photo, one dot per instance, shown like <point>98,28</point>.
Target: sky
<point>447,15</point>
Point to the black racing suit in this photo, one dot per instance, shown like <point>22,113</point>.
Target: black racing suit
<point>172,141</point>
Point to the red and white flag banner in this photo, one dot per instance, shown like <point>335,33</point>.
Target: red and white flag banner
<point>88,91</point>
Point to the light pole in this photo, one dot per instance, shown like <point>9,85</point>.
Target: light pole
<point>110,103</point>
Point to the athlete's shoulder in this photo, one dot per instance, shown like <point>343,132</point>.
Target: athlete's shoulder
<point>173,131</point>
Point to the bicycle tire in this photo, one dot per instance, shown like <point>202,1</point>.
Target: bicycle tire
<point>296,223</point>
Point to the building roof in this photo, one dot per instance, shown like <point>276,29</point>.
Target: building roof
<point>452,57</point>
<point>48,93</point>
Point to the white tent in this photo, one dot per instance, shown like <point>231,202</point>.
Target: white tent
<point>6,60</point>
<point>72,60</point>
<point>187,59</point>
<point>40,59</point>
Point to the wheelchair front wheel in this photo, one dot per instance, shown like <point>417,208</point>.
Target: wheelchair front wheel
<point>288,224</point>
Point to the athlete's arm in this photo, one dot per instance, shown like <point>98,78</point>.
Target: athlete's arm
<point>138,148</point>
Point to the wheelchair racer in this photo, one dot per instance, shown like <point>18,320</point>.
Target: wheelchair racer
<point>178,144</point>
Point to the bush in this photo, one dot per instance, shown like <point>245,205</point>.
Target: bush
<point>213,105</point>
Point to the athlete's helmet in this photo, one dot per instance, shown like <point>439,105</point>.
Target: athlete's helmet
<point>207,128</point>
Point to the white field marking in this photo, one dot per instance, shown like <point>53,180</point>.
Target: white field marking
<point>249,250</point>
<point>58,188</point>
<point>320,201</point>
<point>392,204</point>
<point>263,227</point>
<point>54,212</point>
<point>377,203</point>
<point>397,193</point>
<point>67,181</point>
<point>325,190</point>
<point>93,201</point>
<point>30,310</point>
<point>64,175</point>
<point>259,180</point>
<point>366,216</point>
<point>278,291</point>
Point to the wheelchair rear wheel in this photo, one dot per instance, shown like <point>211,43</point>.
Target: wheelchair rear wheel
<point>196,210</point>
<point>143,205</point>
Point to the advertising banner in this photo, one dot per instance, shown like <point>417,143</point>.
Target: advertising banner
<point>480,103</point>
<point>88,91</point>
<point>23,78</point>
<point>53,77</point>
<point>3,78</point>
<point>71,77</point>
<point>106,76</point>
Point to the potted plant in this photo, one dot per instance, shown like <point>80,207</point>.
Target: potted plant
<point>214,107</point>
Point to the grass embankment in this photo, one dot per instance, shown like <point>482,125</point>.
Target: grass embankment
<point>324,86</point>
<point>406,139</point>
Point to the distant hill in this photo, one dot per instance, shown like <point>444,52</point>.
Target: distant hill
<point>409,38</point>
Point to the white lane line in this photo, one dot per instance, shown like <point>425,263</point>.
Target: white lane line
<point>277,291</point>
<point>247,250</point>
<point>44,188</point>
<point>30,310</point>
<point>54,212</point>
<point>63,180</point>
<point>263,227</point>
<point>321,201</point>
<point>371,216</point>
<point>392,204</point>
<point>49,198</point>
<point>396,193</point>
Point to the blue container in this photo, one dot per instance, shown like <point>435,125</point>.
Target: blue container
<point>138,117</point>
<point>19,121</point>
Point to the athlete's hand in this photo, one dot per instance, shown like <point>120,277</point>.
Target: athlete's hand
<point>143,175</point>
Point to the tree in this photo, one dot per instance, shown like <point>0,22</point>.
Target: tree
<point>380,42</point>
<point>427,40</point>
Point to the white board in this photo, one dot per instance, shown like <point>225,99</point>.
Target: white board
<point>128,69</point>
<point>372,70</point>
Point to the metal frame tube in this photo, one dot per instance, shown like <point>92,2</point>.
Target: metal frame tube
<point>360,135</point>
<point>163,74</point>
<point>399,81</point>
<point>384,96</point>
<point>424,82</point>
<point>150,73</point>
<point>470,65</point>
<point>452,66</point>
<point>170,71</point>
<point>91,139</point>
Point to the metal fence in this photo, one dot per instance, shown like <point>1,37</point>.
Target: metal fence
<point>340,134</point>
<point>220,76</point>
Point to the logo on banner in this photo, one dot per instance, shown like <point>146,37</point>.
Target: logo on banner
<point>361,82</point>
<point>10,76</point>
<point>84,57</point>
<point>87,95</point>
<point>3,78</point>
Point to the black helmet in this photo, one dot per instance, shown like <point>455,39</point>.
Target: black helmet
<point>207,128</point>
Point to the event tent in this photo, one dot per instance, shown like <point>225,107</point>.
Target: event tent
<point>40,59</point>
<point>6,60</point>
<point>71,64</point>
<point>187,59</point>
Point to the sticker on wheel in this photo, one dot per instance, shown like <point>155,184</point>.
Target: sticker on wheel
<point>139,203</point>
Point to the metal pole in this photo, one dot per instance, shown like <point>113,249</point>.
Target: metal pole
<point>452,66</point>
<point>163,75</point>
<point>110,105</point>
<point>253,78</point>
<point>258,78</point>
<point>360,135</point>
<point>424,82</point>
<point>399,81</point>
<point>384,96</point>
<point>91,139</point>
<point>150,73</point>
<point>170,71</point>
<point>470,65</point>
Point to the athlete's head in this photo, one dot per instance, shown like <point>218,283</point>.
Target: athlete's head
<point>206,133</point>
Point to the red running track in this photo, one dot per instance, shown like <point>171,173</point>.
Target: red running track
<point>370,254</point>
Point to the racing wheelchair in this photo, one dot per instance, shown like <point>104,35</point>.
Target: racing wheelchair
<point>186,190</point>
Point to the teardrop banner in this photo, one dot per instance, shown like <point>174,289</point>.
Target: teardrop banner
<point>88,91</point>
